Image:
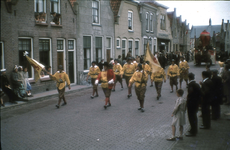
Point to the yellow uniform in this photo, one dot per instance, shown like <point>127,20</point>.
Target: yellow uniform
<point>117,69</point>
<point>94,71</point>
<point>61,78</point>
<point>184,67</point>
<point>104,81</point>
<point>137,78</point>
<point>146,67</point>
<point>158,76</point>
<point>129,69</point>
<point>135,64</point>
<point>173,71</point>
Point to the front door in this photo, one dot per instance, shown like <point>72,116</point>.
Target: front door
<point>108,55</point>
<point>71,66</point>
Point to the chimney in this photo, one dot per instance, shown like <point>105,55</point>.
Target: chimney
<point>210,22</point>
<point>228,21</point>
<point>222,20</point>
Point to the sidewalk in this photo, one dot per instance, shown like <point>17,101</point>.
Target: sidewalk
<point>43,96</point>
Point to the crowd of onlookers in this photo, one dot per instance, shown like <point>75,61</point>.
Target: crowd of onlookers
<point>20,85</point>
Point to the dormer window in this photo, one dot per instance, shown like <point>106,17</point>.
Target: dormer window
<point>130,20</point>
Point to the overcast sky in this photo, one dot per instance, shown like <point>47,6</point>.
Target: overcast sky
<point>199,12</point>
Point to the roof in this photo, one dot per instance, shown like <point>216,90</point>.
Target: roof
<point>156,4</point>
<point>199,29</point>
<point>115,6</point>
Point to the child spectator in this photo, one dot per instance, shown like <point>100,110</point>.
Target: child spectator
<point>178,115</point>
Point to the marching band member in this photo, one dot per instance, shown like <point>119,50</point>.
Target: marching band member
<point>184,67</point>
<point>173,73</point>
<point>117,69</point>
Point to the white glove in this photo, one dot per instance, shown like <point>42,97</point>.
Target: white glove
<point>111,81</point>
<point>96,82</point>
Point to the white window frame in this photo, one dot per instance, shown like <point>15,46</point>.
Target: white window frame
<point>32,53</point>
<point>151,20</point>
<point>58,6</point>
<point>125,46</point>
<point>91,50</point>
<point>51,64</point>
<point>130,40</point>
<point>138,47</point>
<point>3,60</point>
<point>131,12</point>
<point>44,8</point>
<point>73,50</point>
<point>99,12</point>
<point>111,52</point>
<point>119,46</point>
<point>63,50</point>
<point>147,21</point>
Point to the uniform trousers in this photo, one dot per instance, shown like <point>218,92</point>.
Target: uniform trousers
<point>158,86</point>
<point>140,92</point>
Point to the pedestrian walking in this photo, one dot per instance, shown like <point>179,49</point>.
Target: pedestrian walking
<point>173,74</point>
<point>140,77</point>
<point>193,99</point>
<point>94,70</point>
<point>207,95</point>
<point>117,69</point>
<point>158,78</point>
<point>178,115</point>
<point>61,78</point>
<point>107,78</point>
<point>218,93</point>
<point>184,69</point>
<point>128,70</point>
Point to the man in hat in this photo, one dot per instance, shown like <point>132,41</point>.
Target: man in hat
<point>128,70</point>
<point>184,67</point>
<point>5,86</point>
<point>117,69</point>
<point>193,99</point>
<point>173,73</point>
<point>94,70</point>
<point>107,78</point>
<point>60,77</point>
<point>218,93</point>
<point>158,77</point>
<point>140,77</point>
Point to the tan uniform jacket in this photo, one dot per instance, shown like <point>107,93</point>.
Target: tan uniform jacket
<point>61,78</point>
<point>146,67</point>
<point>184,67</point>
<point>158,76</point>
<point>137,78</point>
<point>117,69</point>
<point>173,71</point>
<point>129,69</point>
<point>94,71</point>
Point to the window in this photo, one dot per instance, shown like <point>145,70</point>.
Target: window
<point>131,46</point>
<point>55,6</point>
<point>162,22</point>
<point>118,43</point>
<point>70,44</point>
<point>87,51</point>
<point>108,48</point>
<point>151,22</point>
<point>147,21</point>
<point>2,55</point>
<point>130,20</point>
<point>25,45</point>
<point>40,11</point>
<point>136,47</point>
<point>98,49</point>
<point>44,52</point>
<point>123,48</point>
<point>95,11</point>
<point>59,44</point>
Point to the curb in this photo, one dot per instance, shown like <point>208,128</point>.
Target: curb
<point>39,99</point>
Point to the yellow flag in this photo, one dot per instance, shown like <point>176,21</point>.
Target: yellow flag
<point>153,62</point>
<point>37,67</point>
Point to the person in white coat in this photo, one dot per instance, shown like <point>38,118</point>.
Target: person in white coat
<point>178,115</point>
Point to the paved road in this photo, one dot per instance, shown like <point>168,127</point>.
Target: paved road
<point>83,124</point>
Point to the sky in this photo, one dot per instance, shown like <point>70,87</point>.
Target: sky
<point>199,12</point>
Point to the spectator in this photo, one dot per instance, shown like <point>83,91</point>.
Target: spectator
<point>100,64</point>
<point>207,95</point>
<point>178,115</point>
<point>119,60</point>
<point>137,59</point>
<point>193,99</point>
<point>28,87</point>
<point>217,92</point>
<point>5,86</point>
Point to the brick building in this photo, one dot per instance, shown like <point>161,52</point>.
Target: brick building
<point>46,29</point>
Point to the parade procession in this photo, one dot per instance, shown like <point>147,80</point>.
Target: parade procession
<point>114,75</point>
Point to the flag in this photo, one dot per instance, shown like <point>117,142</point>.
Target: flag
<point>36,65</point>
<point>153,62</point>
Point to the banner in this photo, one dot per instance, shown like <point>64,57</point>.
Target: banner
<point>153,62</point>
<point>36,65</point>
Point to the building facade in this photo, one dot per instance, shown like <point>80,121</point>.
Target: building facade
<point>225,38</point>
<point>47,30</point>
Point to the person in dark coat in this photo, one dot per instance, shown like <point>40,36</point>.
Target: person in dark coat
<point>217,99</point>
<point>207,95</point>
<point>193,99</point>
<point>100,64</point>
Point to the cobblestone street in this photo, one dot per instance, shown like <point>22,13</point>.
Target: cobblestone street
<point>83,124</point>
